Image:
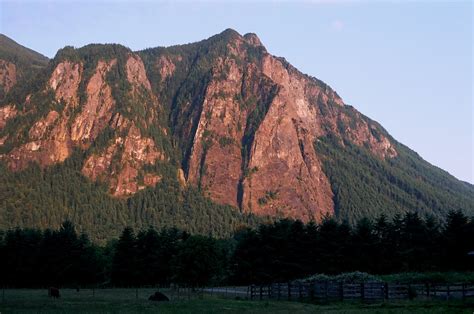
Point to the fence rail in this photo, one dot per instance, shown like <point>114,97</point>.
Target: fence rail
<point>326,291</point>
<point>319,291</point>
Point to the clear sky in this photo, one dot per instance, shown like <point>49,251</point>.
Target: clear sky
<point>406,64</point>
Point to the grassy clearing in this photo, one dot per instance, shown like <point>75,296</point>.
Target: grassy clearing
<point>125,301</point>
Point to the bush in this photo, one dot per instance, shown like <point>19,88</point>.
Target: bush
<point>431,277</point>
<point>352,277</point>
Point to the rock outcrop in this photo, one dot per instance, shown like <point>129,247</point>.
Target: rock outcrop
<point>121,164</point>
<point>216,160</point>
<point>97,111</point>
<point>65,82</point>
<point>6,113</point>
<point>136,74</point>
<point>166,67</point>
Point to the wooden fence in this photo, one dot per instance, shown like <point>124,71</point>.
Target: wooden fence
<point>326,291</point>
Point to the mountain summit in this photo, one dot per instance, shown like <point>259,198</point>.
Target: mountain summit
<point>222,117</point>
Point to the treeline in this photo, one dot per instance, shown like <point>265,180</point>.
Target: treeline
<point>41,198</point>
<point>277,252</point>
<point>287,250</point>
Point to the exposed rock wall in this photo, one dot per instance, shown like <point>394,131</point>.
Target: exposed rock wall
<point>65,82</point>
<point>97,111</point>
<point>288,179</point>
<point>216,159</point>
<point>136,74</point>
<point>6,113</point>
<point>282,174</point>
<point>166,67</point>
<point>122,161</point>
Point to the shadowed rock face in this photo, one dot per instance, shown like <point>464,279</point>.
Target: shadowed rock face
<point>249,129</point>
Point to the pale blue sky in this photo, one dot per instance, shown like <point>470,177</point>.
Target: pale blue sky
<point>405,64</point>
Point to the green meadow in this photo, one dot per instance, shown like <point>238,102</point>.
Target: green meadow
<point>129,301</point>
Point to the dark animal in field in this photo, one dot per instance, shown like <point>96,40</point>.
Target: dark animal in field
<point>158,296</point>
<point>53,292</point>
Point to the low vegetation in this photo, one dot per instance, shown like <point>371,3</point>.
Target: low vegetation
<point>365,186</point>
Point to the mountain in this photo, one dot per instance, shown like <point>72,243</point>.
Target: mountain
<point>207,136</point>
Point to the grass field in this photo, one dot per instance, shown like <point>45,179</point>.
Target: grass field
<point>126,301</point>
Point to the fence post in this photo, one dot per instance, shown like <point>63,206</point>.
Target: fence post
<point>289,290</point>
<point>260,292</point>
<point>362,292</point>
<point>279,291</point>
<point>447,295</point>
<point>342,291</point>
<point>386,290</point>
<point>326,295</point>
<point>463,291</point>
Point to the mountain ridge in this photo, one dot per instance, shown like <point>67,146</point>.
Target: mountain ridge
<point>223,116</point>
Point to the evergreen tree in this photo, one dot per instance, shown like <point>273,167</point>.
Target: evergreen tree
<point>124,265</point>
<point>197,262</point>
<point>457,243</point>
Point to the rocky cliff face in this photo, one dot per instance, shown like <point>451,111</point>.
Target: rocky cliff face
<point>255,129</point>
<point>232,119</point>
<point>53,136</point>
